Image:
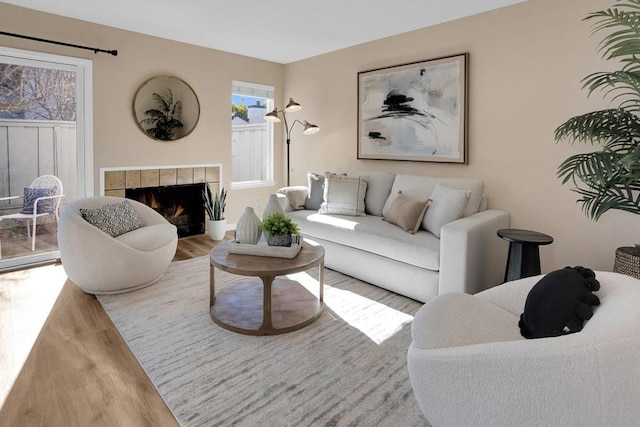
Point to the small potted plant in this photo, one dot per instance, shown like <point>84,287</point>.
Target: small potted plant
<point>215,205</point>
<point>278,228</point>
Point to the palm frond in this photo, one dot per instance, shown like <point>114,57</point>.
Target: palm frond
<point>625,41</point>
<point>612,127</point>
<point>625,82</point>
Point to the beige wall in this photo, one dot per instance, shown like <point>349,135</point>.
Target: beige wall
<point>526,63</point>
<point>117,139</point>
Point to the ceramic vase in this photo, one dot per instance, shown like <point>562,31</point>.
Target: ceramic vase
<point>248,229</point>
<point>272,207</point>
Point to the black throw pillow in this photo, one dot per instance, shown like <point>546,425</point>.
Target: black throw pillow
<point>559,303</point>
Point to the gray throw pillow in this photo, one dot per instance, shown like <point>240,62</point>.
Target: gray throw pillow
<point>315,182</point>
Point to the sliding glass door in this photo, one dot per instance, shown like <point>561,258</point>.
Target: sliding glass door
<point>45,129</point>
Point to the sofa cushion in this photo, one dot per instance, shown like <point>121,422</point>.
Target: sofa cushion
<point>315,183</point>
<point>114,219</point>
<point>343,195</point>
<point>407,212</point>
<point>378,189</point>
<point>372,234</point>
<point>447,205</point>
<point>421,187</point>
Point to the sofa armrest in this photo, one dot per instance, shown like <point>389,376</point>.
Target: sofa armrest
<point>472,256</point>
<point>294,197</point>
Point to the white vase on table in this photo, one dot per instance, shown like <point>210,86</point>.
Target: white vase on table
<point>273,206</point>
<point>248,229</point>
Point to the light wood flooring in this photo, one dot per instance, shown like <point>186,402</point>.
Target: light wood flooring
<point>80,371</point>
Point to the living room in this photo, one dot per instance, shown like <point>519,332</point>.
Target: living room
<point>526,64</point>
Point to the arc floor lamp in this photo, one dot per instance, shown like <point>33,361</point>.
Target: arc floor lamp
<point>291,107</point>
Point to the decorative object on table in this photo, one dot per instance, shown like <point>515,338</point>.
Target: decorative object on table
<point>278,229</point>
<point>628,261</point>
<point>609,178</point>
<point>559,303</point>
<point>265,250</point>
<point>273,206</point>
<point>524,255</point>
<point>166,108</point>
<point>415,111</point>
<point>309,128</point>
<point>248,229</point>
<point>214,206</point>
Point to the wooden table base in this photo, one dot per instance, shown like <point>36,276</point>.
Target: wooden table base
<point>246,308</point>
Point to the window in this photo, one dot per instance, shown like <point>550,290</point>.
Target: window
<point>252,135</point>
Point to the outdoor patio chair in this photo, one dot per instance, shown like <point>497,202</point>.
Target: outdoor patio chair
<point>42,198</point>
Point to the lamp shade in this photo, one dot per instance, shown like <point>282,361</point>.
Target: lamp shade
<point>310,128</point>
<point>292,106</point>
<point>272,116</point>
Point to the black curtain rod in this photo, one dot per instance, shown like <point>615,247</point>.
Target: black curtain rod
<point>94,49</point>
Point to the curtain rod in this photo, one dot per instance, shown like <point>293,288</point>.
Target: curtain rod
<point>94,49</point>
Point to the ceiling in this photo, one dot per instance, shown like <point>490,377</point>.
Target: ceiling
<point>281,31</point>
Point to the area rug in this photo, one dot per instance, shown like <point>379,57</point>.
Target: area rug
<point>346,368</point>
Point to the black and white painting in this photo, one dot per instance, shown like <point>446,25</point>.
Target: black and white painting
<point>414,111</point>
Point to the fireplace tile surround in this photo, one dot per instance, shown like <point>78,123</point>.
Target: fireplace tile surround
<point>115,181</point>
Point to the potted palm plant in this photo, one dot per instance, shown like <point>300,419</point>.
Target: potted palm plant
<point>214,205</point>
<point>164,119</point>
<point>278,228</point>
<point>610,178</point>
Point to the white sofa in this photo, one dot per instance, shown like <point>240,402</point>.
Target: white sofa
<point>101,264</point>
<point>469,365</point>
<point>467,257</point>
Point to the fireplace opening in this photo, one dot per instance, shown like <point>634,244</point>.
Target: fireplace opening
<point>181,205</point>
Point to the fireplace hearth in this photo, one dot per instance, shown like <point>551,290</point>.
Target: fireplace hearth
<point>181,205</point>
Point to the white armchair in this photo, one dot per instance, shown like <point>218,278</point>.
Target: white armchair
<point>101,264</point>
<point>469,365</point>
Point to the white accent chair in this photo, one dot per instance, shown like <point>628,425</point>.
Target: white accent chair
<point>42,182</point>
<point>469,365</point>
<point>101,264</point>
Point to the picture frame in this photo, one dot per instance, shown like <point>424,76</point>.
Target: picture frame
<point>166,108</point>
<point>415,111</point>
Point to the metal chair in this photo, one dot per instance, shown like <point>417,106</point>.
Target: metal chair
<point>42,182</point>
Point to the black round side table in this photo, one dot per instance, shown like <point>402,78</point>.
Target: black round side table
<point>524,255</point>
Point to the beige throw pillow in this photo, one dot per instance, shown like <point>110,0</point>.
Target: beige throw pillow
<point>297,195</point>
<point>407,212</point>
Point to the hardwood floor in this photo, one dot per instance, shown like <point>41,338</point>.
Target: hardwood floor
<point>80,371</point>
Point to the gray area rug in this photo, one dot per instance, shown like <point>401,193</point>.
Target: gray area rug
<point>347,368</point>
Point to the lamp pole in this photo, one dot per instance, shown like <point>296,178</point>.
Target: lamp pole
<point>308,128</point>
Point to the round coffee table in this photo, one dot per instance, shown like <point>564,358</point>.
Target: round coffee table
<point>265,304</point>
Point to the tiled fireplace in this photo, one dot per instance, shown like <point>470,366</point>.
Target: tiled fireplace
<point>174,192</point>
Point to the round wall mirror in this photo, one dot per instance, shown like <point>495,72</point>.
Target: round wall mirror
<point>166,108</point>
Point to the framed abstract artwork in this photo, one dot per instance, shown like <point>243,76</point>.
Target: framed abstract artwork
<point>415,111</point>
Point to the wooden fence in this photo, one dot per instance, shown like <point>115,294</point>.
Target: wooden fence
<point>29,149</point>
<point>250,153</point>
